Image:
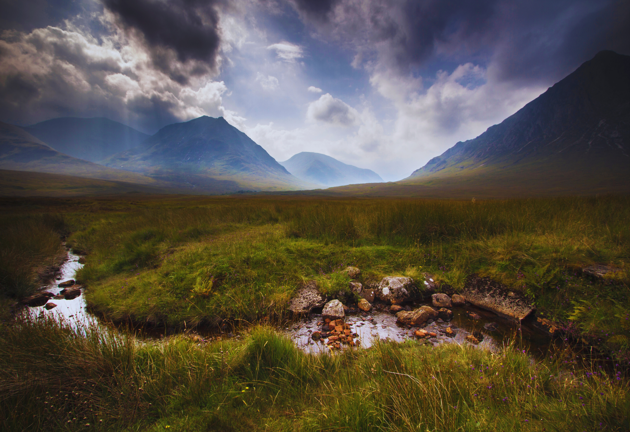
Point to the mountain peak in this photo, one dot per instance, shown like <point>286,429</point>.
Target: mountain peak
<point>327,171</point>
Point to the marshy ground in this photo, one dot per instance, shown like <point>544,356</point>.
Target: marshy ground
<point>181,263</point>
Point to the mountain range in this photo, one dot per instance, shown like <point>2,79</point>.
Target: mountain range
<point>326,171</point>
<point>21,151</point>
<point>91,139</point>
<point>572,139</point>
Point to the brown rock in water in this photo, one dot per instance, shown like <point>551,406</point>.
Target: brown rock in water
<point>458,300</point>
<point>445,314</point>
<point>38,299</point>
<point>441,300</point>
<point>491,295</point>
<point>396,290</point>
<point>420,333</point>
<point>50,305</point>
<point>59,297</point>
<point>316,335</point>
<point>395,309</point>
<point>416,317</point>
<point>71,293</point>
<point>472,339</point>
<point>82,260</point>
<point>365,305</point>
<point>473,315</point>
<point>433,334</point>
<point>450,332</point>
<point>333,310</point>
<point>352,272</point>
<point>368,294</point>
<point>66,283</point>
<point>490,326</point>
<point>306,298</point>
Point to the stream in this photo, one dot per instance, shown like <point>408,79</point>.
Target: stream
<point>366,328</point>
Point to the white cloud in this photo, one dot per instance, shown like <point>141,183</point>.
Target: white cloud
<point>327,109</point>
<point>268,83</point>
<point>313,89</point>
<point>287,51</point>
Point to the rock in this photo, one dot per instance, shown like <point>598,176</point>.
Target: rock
<point>472,339</point>
<point>50,305</point>
<point>71,293</point>
<point>445,314</point>
<point>316,335</point>
<point>600,271</point>
<point>356,287</point>
<point>420,333</point>
<point>306,298</point>
<point>490,295</point>
<point>59,297</point>
<point>490,327</point>
<point>432,334</point>
<point>333,310</point>
<point>395,309</point>
<point>352,272</point>
<point>368,294</point>
<point>450,332</point>
<point>82,260</point>
<point>66,283</point>
<point>441,300</point>
<point>416,317</point>
<point>429,283</point>
<point>458,300</point>
<point>365,305</point>
<point>38,299</point>
<point>396,290</point>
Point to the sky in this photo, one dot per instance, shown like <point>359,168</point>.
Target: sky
<point>380,84</point>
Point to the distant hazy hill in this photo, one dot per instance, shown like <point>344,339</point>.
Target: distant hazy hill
<point>206,150</point>
<point>327,171</point>
<point>576,135</point>
<point>21,151</point>
<point>92,139</point>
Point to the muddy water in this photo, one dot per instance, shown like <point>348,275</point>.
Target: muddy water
<point>72,311</point>
<point>374,326</point>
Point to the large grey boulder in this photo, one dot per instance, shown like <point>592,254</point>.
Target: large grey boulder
<point>396,290</point>
<point>333,310</point>
<point>307,298</point>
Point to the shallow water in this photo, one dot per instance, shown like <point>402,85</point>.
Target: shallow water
<point>73,312</point>
<point>377,325</point>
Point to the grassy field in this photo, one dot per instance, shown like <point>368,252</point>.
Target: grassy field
<point>186,261</point>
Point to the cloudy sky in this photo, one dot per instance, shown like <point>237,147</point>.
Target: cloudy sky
<point>381,84</point>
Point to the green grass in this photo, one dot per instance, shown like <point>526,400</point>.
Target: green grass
<point>27,246</point>
<point>187,261</point>
<point>58,378</point>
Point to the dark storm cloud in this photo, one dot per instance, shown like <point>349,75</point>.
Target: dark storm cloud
<point>32,14</point>
<point>525,40</point>
<point>178,31</point>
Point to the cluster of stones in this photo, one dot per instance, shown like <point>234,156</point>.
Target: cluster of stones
<point>70,291</point>
<point>336,333</point>
<point>395,291</point>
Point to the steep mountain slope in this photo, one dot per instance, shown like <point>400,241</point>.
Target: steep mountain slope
<point>327,171</point>
<point>92,139</point>
<point>20,151</point>
<point>205,150</point>
<point>574,136</point>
